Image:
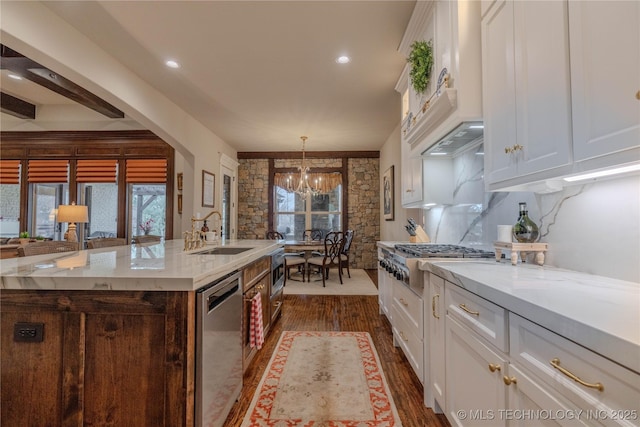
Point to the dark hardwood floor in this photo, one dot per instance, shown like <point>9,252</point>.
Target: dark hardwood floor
<point>344,313</point>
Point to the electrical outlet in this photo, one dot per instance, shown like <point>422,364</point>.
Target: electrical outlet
<point>28,332</point>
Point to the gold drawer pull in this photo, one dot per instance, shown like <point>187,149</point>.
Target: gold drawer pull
<point>404,302</point>
<point>494,368</point>
<point>509,380</point>
<point>556,364</point>
<point>260,287</point>
<point>433,305</point>
<point>638,95</point>
<point>464,307</point>
<point>513,149</point>
<point>403,337</point>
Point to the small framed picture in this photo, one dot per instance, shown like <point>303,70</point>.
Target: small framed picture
<point>180,181</point>
<point>208,189</point>
<point>387,189</point>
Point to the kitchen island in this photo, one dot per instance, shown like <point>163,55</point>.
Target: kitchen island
<point>108,336</point>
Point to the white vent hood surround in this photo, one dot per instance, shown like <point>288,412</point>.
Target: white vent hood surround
<point>454,27</point>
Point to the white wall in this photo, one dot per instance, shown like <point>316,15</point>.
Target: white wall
<point>390,156</point>
<point>35,31</point>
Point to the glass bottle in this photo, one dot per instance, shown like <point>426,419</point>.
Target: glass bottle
<point>525,230</point>
<point>204,228</point>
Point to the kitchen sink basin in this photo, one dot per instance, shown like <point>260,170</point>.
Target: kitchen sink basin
<point>223,250</point>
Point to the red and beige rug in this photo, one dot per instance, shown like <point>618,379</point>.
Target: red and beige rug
<point>323,379</point>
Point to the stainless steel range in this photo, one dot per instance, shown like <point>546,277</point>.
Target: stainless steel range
<point>403,263</point>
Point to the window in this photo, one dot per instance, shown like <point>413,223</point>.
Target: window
<point>48,188</point>
<point>147,195</point>
<point>294,213</point>
<point>98,190</point>
<point>9,198</point>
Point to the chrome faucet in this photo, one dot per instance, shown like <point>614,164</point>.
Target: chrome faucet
<point>195,238</point>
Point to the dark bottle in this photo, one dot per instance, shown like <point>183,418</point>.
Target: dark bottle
<point>525,230</point>
<point>204,228</point>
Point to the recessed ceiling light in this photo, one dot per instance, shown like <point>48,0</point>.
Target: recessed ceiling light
<point>15,76</point>
<point>172,64</point>
<point>343,59</point>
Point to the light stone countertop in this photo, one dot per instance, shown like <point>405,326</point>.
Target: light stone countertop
<point>599,313</point>
<point>144,267</point>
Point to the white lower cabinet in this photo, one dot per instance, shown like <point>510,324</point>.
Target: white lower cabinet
<point>435,342</point>
<point>384,292</point>
<point>494,368</point>
<point>475,389</point>
<point>408,326</point>
<point>607,393</point>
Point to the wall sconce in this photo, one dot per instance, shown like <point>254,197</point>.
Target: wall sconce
<point>72,214</point>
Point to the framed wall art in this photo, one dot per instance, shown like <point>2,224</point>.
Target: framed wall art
<point>180,203</point>
<point>208,189</point>
<point>388,196</point>
<point>180,181</point>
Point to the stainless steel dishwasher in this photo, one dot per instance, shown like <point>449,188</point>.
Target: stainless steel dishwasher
<point>218,349</point>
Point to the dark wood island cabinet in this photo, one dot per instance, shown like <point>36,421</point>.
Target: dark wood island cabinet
<point>92,347</point>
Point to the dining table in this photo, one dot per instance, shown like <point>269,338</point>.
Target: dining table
<point>306,246</point>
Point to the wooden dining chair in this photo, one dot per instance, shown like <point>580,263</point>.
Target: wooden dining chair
<point>274,235</point>
<point>333,245</point>
<point>51,247</point>
<point>313,234</point>
<point>146,238</point>
<point>106,242</point>
<point>344,256</point>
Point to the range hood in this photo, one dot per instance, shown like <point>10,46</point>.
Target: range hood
<point>455,141</point>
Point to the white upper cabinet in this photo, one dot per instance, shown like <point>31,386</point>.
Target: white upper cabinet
<point>411,178</point>
<point>561,90</point>
<point>526,86</point>
<point>605,78</point>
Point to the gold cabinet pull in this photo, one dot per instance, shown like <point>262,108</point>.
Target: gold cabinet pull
<point>474,313</point>
<point>403,302</point>
<point>638,95</point>
<point>260,287</point>
<point>403,337</point>
<point>556,364</point>
<point>513,148</point>
<point>494,368</point>
<point>433,305</point>
<point>509,380</point>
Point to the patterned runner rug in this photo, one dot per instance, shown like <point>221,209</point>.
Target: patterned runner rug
<point>328,379</point>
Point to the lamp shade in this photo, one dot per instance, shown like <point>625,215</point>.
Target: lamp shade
<point>73,213</point>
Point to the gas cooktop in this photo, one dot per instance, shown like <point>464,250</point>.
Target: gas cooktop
<point>436,250</point>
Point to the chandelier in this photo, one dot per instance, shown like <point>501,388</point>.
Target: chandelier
<point>303,187</point>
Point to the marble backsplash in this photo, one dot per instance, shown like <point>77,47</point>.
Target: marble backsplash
<point>592,228</point>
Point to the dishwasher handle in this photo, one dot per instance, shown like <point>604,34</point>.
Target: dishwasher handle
<point>221,296</point>
<point>215,294</point>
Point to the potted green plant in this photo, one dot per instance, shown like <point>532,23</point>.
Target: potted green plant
<point>24,237</point>
<point>421,60</point>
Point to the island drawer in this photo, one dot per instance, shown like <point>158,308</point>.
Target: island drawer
<point>254,271</point>
<point>593,383</point>
<point>482,316</point>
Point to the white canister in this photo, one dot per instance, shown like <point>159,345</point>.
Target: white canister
<point>209,236</point>
<point>504,233</point>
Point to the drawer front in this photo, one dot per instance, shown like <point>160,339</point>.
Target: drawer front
<point>252,272</point>
<point>411,305</point>
<point>412,345</point>
<point>482,316</point>
<point>563,364</point>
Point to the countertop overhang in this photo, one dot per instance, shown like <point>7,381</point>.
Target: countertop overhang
<point>161,266</point>
<point>599,313</point>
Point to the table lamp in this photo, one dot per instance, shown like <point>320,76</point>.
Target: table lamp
<point>72,214</point>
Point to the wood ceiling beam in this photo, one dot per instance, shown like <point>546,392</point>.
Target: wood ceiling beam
<point>17,107</point>
<point>31,70</point>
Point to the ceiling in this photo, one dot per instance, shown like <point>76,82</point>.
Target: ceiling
<point>259,74</point>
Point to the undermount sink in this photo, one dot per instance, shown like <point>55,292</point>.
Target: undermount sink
<point>223,250</point>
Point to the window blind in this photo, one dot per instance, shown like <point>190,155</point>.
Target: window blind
<point>97,170</point>
<point>146,170</point>
<point>48,171</point>
<point>9,171</point>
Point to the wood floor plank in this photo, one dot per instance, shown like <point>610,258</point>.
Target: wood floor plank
<point>344,313</point>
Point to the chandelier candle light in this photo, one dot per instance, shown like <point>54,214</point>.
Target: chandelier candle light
<point>303,187</point>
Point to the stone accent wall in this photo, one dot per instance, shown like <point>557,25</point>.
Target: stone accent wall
<point>253,198</point>
<point>363,210</point>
